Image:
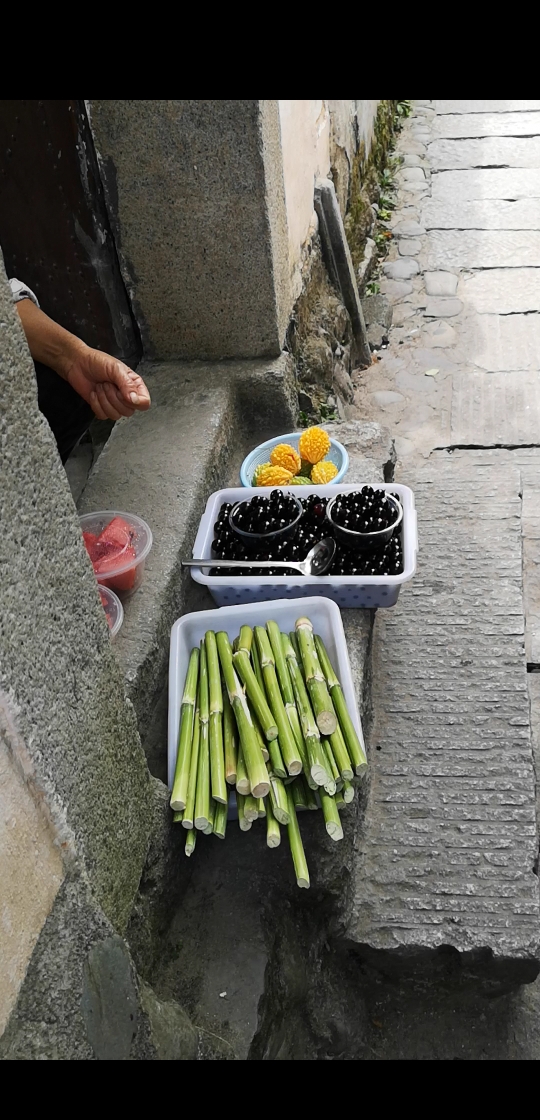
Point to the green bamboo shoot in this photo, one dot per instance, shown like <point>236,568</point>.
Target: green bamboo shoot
<point>255,765</point>
<point>318,765</point>
<point>278,800</point>
<point>218,785</point>
<point>298,793</point>
<point>257,664</point>
<point>261,806</point>
<point>178,816</point>
<point>202,794</point>
<point>191,840</point>
<point>256,696</point>
<point>355,747</point>
<point>230,740</point>
<point>341,754</point>
<point>211,817</point>
<point>287,743</point>
<point>245,825</point>
<point>245,638</point>
<point>242,780</point>
<point>189,811</point>
<point>220,820</point>
<point>348,792</point>
<point>251,808</point>
<point>296,845</point>
<point>331,816</point>
<point>187,717</point>
<point>273,832</point>
<point>315,678</point>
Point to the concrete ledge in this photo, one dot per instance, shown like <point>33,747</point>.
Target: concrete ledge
<point>163,465</point>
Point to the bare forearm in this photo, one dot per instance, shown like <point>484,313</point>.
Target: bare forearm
<point>48,341</point>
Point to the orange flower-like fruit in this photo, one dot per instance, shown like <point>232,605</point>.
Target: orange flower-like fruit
<point>313,445</point>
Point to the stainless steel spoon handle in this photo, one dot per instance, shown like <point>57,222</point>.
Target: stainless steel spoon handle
<point>242,564</point>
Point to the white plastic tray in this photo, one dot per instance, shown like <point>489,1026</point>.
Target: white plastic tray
<point>348,591</point>
<point>188,631</point>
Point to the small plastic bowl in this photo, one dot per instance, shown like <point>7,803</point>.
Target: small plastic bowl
<point>114,611</point>
<point>338,455</point>
<point>123,575</point>
<point>361,541</point>
<point>276,534</point>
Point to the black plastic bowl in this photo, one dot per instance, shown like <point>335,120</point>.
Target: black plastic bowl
<point>361,541</point>
<point>256,539</point>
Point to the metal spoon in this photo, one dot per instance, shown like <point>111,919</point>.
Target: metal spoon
<point>317,562</point>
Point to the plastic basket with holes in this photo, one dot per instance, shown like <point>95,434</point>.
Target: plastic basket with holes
<point>347,591</point>
<point>338,455</point>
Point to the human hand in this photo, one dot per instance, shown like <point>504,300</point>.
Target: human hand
<point>111,388</point>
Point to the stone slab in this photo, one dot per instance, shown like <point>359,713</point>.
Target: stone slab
<point>409,247</point>
<point>504,343</point>
<point>401,269</point>
<point>525,123</point>
<point>495,409</point>
<point>484,183</point>
<point>395,290</point>
<point>482,213</point>
<point>441,308</point>
<point>449,842</point>
<point>455,249</point>
<point>440,283</point>
<point>163,465</point>
<point>490,151</point>
<point>501,291</point>
<point>443,107</point>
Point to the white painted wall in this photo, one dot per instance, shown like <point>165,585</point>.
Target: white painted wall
<point>305,139</point>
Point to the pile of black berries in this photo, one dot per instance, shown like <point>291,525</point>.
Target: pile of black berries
<point>264,514</point>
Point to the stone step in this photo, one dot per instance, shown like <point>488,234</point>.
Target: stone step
<point>162,465</point>
<point>449,842</point>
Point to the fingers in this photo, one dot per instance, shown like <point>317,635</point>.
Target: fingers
<point>106,405</point>
<point>131,386</point>
<point>115,399</point>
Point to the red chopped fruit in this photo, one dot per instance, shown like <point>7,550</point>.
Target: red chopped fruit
<point>117,533</point>
<point>90,540</point>
<point>125,580</point>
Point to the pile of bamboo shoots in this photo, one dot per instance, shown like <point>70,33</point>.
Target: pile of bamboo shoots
<point>267,717</point>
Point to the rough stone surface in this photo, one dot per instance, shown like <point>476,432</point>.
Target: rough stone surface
<point>505,342</point>
<point>408,247</point>
<point>162,464</point>
<point>455,249</point>
<point>376,335</point>
<point>447,851</point>
<point>440,283</point>
<point>443,107</point>
<point>495,409</point>
<point>371,451</point>
<point>489,124</point>
<point>492,213</point>
<point>57,664</point>
<point>342,382</point>
<point>493,291</point>
<point>188,182</point>
<point>395,290</point>
<point>408,228</point>
<point>439,333</point>
<point>318,360</point>
<point>440,308</point>
<point>489,183</point>
<point>496,151</point>
<point>401,269</point>
<point>377,309</point>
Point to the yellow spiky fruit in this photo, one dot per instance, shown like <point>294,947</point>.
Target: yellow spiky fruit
<point>256,473</point>
<point>283,455</point>
<point>273,476</point>
<point>322,473</point>
<point>313,445</point>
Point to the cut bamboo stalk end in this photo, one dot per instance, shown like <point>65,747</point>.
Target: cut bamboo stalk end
<point>244,824</point>
<point>255,766</point>
<point>178,816</point>
<point>191,840</point>
<point>220,821</point>
<point>354,747</point>
<point>187,717</point>
<point>273,832</point>
<point>315,678</point>
<point>255,694</point>
<point>261,806</point>
<point>245,638</point>
<point>296,845</point>
<point>331,817</point>
<point>251,809</point>
<point>348,792</point>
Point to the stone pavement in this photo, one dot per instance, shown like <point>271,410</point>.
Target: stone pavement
<point>458,387</point>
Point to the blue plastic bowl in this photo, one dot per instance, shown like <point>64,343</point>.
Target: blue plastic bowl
<point>337,454</point>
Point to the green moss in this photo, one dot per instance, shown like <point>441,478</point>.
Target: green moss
<point>366,175</point>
